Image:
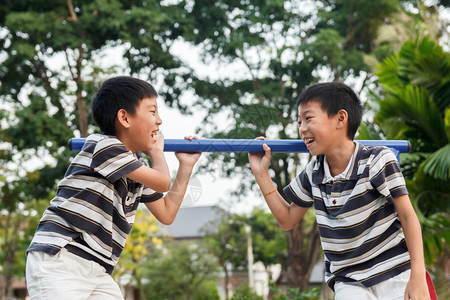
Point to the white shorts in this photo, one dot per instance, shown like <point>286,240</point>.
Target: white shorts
<point>391,289</point>
<point>68,276</point>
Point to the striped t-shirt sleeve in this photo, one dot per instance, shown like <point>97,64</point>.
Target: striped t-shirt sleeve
<point>385,175</point>
<point>149,195</point>
<point>112,160</point>
<point>299,191</point>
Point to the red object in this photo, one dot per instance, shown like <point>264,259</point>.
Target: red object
<point>431,287</point>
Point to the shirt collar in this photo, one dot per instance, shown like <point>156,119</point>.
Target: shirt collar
<point>321,170</point>
<point>139,156</point>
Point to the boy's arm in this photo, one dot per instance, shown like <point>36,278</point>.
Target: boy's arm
<point>286,215</point>
<point>157,177</point>
<point>417,287</point>
<point>166,210</point>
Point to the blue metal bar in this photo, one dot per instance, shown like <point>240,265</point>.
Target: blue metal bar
<point>244,145</point>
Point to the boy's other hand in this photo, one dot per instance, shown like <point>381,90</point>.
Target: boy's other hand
<point>188,159</point>
<point>259,162</point>
<point>158,147</point>
<point>417,288</point>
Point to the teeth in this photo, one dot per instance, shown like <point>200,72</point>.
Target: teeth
<point>308,141</point>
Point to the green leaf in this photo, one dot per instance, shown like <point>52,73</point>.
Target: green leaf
<point>415,108</point>
<point>438,163</point>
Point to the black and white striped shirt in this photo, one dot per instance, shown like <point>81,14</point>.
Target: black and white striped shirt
<point>95,205</point>
<point>360,231</point>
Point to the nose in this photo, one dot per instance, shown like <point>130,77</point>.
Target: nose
<point>158,120</point>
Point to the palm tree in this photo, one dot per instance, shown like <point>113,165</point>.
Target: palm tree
<point>415,105</point>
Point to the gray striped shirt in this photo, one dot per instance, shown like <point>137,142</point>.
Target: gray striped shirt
<point>359,228</point>
<point>95,205</point>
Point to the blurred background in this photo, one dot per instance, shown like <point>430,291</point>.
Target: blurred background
<point>223,69</point>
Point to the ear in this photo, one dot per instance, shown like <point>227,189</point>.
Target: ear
<point>342,118</point>
<point>122,118</point>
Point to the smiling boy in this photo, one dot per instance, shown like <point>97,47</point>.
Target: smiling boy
<point>369,232</point>
<point>82,233</point>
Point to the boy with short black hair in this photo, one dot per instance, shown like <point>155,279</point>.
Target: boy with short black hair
<point>81,235</point>
<point>369,232</point>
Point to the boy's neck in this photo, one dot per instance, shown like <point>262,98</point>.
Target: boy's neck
<point>121,136</point>
<point>339,158</point>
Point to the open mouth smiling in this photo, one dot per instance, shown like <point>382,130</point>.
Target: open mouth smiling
<point>308,141</point>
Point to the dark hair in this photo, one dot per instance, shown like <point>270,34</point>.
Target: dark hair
<point>122,92</point>
<point>332,97</point>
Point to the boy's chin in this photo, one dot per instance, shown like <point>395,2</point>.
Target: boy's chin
<point>147,148</point>
<point>314,153</point>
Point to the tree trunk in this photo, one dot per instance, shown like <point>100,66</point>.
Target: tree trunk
<point>82,114</point>
<point>226,279</point>
<point>81,102</point>
<point>10,250</point>
<point>303,253</point>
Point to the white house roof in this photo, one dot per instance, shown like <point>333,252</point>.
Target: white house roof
<point>191,222</point>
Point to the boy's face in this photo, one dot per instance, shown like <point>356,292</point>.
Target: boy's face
<point>316,128</point>
<point>145,124</point>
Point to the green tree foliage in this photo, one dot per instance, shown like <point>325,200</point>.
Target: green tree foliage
<point>51,55</point>
<point>415,106</point>
<point>353,26</point>
<point>16,230</point>
<point>144,243</point>
<point>226,239</point>
<point>269,240</point>
<point>183,271</point>
<point>296,294</point>
<point>244,292</point>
